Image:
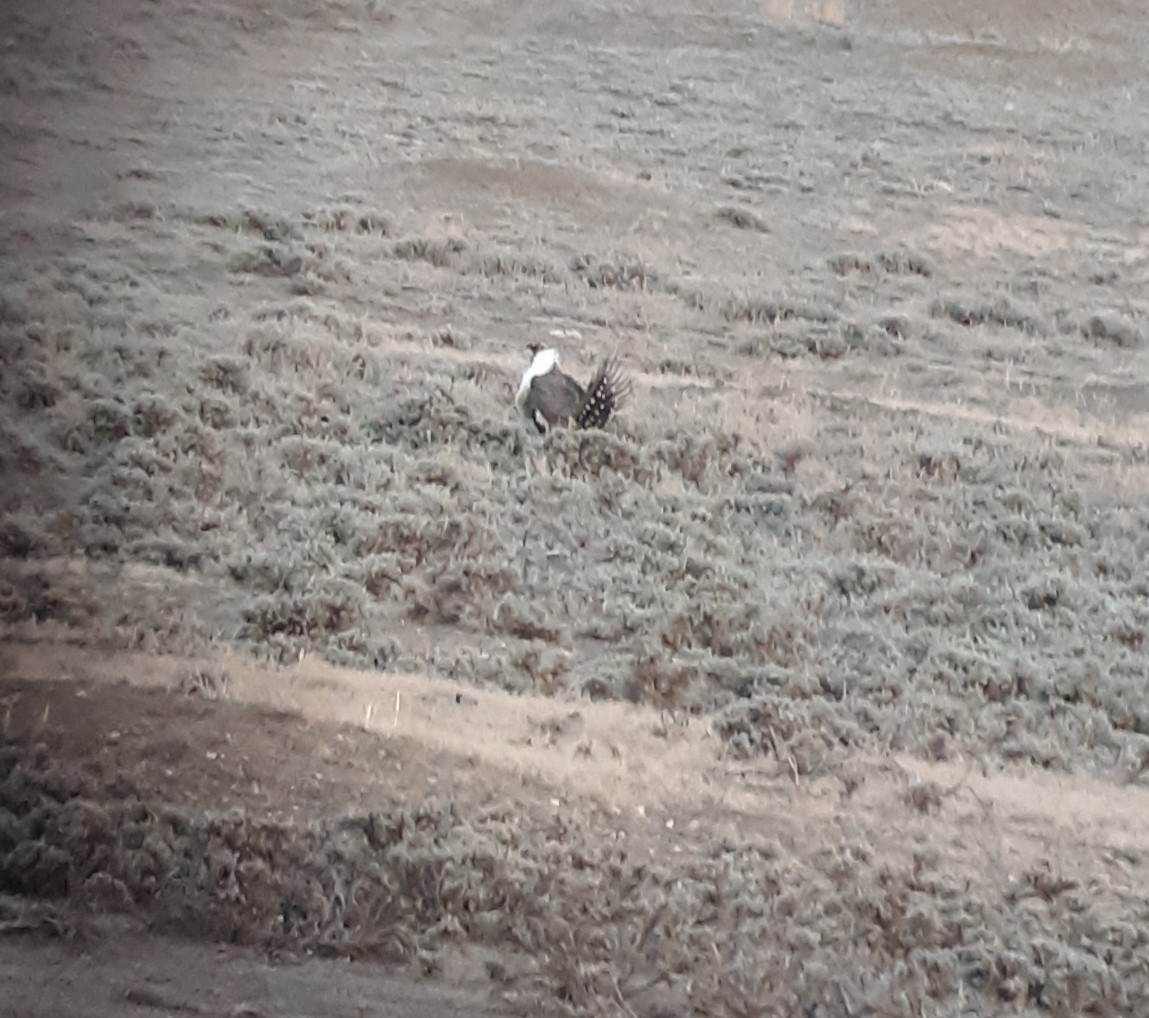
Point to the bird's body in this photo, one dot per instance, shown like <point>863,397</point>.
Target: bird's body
<point>548,396</point>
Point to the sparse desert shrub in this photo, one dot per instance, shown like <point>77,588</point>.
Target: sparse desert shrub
<point>132,210</point>
<point>925,796</point>
<point>465,590</point>
<point>152,414</point>
<point>700,459</point>
<point>23,453</point>
<point>399,534</point>
<point>695,298</point>
<point>217,413</point>
<point>283,351</point>
<point>660,680</point>
<point>34,594</point>
<point>271,572</point>
<point>345,219</point>
<point>711,622</point>
<point>754,181</point>
<point>898,326</point>
<point>617,274</point>
<point>439,471</point>
<point>742,218</point>
<point>863,578</point>
<point>104,421</point>
<point>171,550</point>
<point>321,608</point>
<point>1000,312</point>
<point>942,466</point>
<point>452,338</point>
<point>15,309</point>
<point>806,737</point>
<point>381,575</point>
<point>440,418</point>
<point>761,311</point>
<point>269,227</point>
<point>204,681</point>
<point>228,374</point>
<point>325,265</point>
<point>547,668</point>
<point>421,531</point>
<point>516,265</point>
<point>21,535</point>
<point>590,453</point>
<point>1111,329</point>
<point>317,461</point>
<point>267,261</point>
<point>885,534</point>
<point>844,264</point>
<point>440,252</point>
<point>1045,594</point>
<point>35,390</point>
<point>523,619</point>
<point>904,262</point>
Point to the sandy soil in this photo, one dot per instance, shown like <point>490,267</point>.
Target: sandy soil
<point>814,684</point>
<point>55,966</point>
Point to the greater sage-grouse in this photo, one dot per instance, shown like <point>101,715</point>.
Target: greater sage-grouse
<point>548,396</point>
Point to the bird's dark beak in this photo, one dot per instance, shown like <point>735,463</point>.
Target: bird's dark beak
<point>534,348</point>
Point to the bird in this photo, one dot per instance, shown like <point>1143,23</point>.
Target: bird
<point>548,396</point>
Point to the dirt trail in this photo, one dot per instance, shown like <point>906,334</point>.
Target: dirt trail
<point>649,769</point>
<point>112,966</point>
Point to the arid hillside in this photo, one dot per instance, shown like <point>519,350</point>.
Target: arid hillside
<point>814,684</point>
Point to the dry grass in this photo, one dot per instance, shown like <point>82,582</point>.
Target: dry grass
<point>334,508</point>
<point>606,931</point>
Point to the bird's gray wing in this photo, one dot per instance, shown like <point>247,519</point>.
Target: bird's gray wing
<point>555,398</point>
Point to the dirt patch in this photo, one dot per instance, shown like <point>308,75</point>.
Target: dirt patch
<point>113,965</point>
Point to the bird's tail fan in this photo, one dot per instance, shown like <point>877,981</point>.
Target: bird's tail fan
<point>607,392</point>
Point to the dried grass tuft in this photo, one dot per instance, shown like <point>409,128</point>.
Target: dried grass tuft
<point>760,311</point>
<point>1001,312</point>
<point>742,218</point>
<point>1120,333</point>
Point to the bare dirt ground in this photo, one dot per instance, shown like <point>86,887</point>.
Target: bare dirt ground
<point>815,684</point>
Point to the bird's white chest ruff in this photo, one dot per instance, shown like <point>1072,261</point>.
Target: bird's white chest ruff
<point>544,361</point>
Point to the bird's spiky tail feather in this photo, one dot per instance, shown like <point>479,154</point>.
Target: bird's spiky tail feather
<point>608,390</point>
